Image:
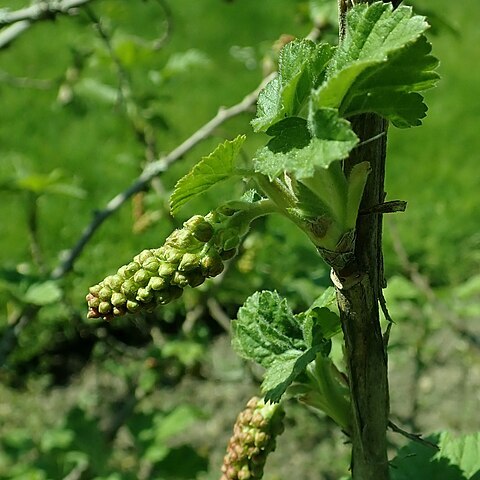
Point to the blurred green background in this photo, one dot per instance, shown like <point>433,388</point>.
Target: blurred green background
<point>82,111</point>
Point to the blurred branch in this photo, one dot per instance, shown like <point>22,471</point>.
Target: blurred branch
<point>218,314</point>
<point>35,246</point>
<point>168,22</point>
<point>142,128</point>
<point>416,437</point>
<point>122,74</point>
<point>151,171</point>
<point>423,284</point>
<point>17,21</point>
<point>46,9</point>
<point>9,338</point>
<point>25,82</point>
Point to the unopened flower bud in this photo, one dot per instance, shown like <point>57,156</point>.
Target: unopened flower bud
<point>253,439</point>
<point>199,228</point>
<point>141,277</point>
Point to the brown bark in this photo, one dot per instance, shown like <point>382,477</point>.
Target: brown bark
<point>358,290</point>
<point>359,287</point>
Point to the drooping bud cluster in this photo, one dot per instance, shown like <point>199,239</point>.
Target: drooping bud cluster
<point>157,276</point>
<point>254,437</point>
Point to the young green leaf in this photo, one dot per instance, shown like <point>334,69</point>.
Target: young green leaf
<point>324,313</point>
<point>457,459</point>
<point>391,91</point>
<point>220,165</point>
<point>463,451</point>
<point>43,293</point>
<point>331,139</point>
<point>284,370</point>
<point>265,328</point>
<point>301,64</point>
<point>383,56</point>
<point>267,332</point>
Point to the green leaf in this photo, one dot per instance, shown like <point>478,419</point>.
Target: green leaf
<point>458,459</point>
<point>96,91</point>
<point>324,313</point>
<point>383,60</point>
<point>462,451</point>
<point>301,64</point>
<point>391,90</point>
<point>267,332</point>
<point>44,293</point>
<point>220,165</point>
<point>284,370</point>
<point>265,328</point>
<point>309,204</point>
<point>53,182</point>
<point>331,139</point>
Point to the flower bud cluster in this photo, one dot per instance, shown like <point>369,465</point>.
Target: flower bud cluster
<point>254,437</point>
<point>157,276</point>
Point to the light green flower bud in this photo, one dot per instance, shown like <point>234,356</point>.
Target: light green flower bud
<point>141,277</point>
<point>157,283</point>
<point>199,228</point>
<point>113,281</point>
<point>166,270</point>
<point>172,255</point>
<point>151,266</point>
<point>144,295</point>
<point>133,306</point>
<point>131,269</point>
<point>181,240</point>
<point>104,308</point>
<point>179,279</point>
<point>244,473</point>
<point>143,256</point>
<point>189,262</point>
<point>119,311</point>
<point>93,301</point>
<point>95,290</point>
<point>105,294</point>
<point>118,299</point>
<point>129,288</point>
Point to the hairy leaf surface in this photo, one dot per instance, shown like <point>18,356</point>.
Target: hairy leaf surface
<point>301,64</point>
<point>220,165</point>
<point>383,60</point>
<point>298,146</point>
<point>458,458</point>
<point>267,332</point>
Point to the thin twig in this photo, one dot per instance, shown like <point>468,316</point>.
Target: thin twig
<point>18,21</point>
<point>218,314</point>
<point>168,21</point>
<point>124,89</point>
<point>8,34</point>
<point>40,11</point>
<point>32,224</point>
<point>25,82</point>
<point>416,437</point>
<point>191,318</point>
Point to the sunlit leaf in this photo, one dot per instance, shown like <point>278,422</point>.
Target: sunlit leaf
<point>220,165</point>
